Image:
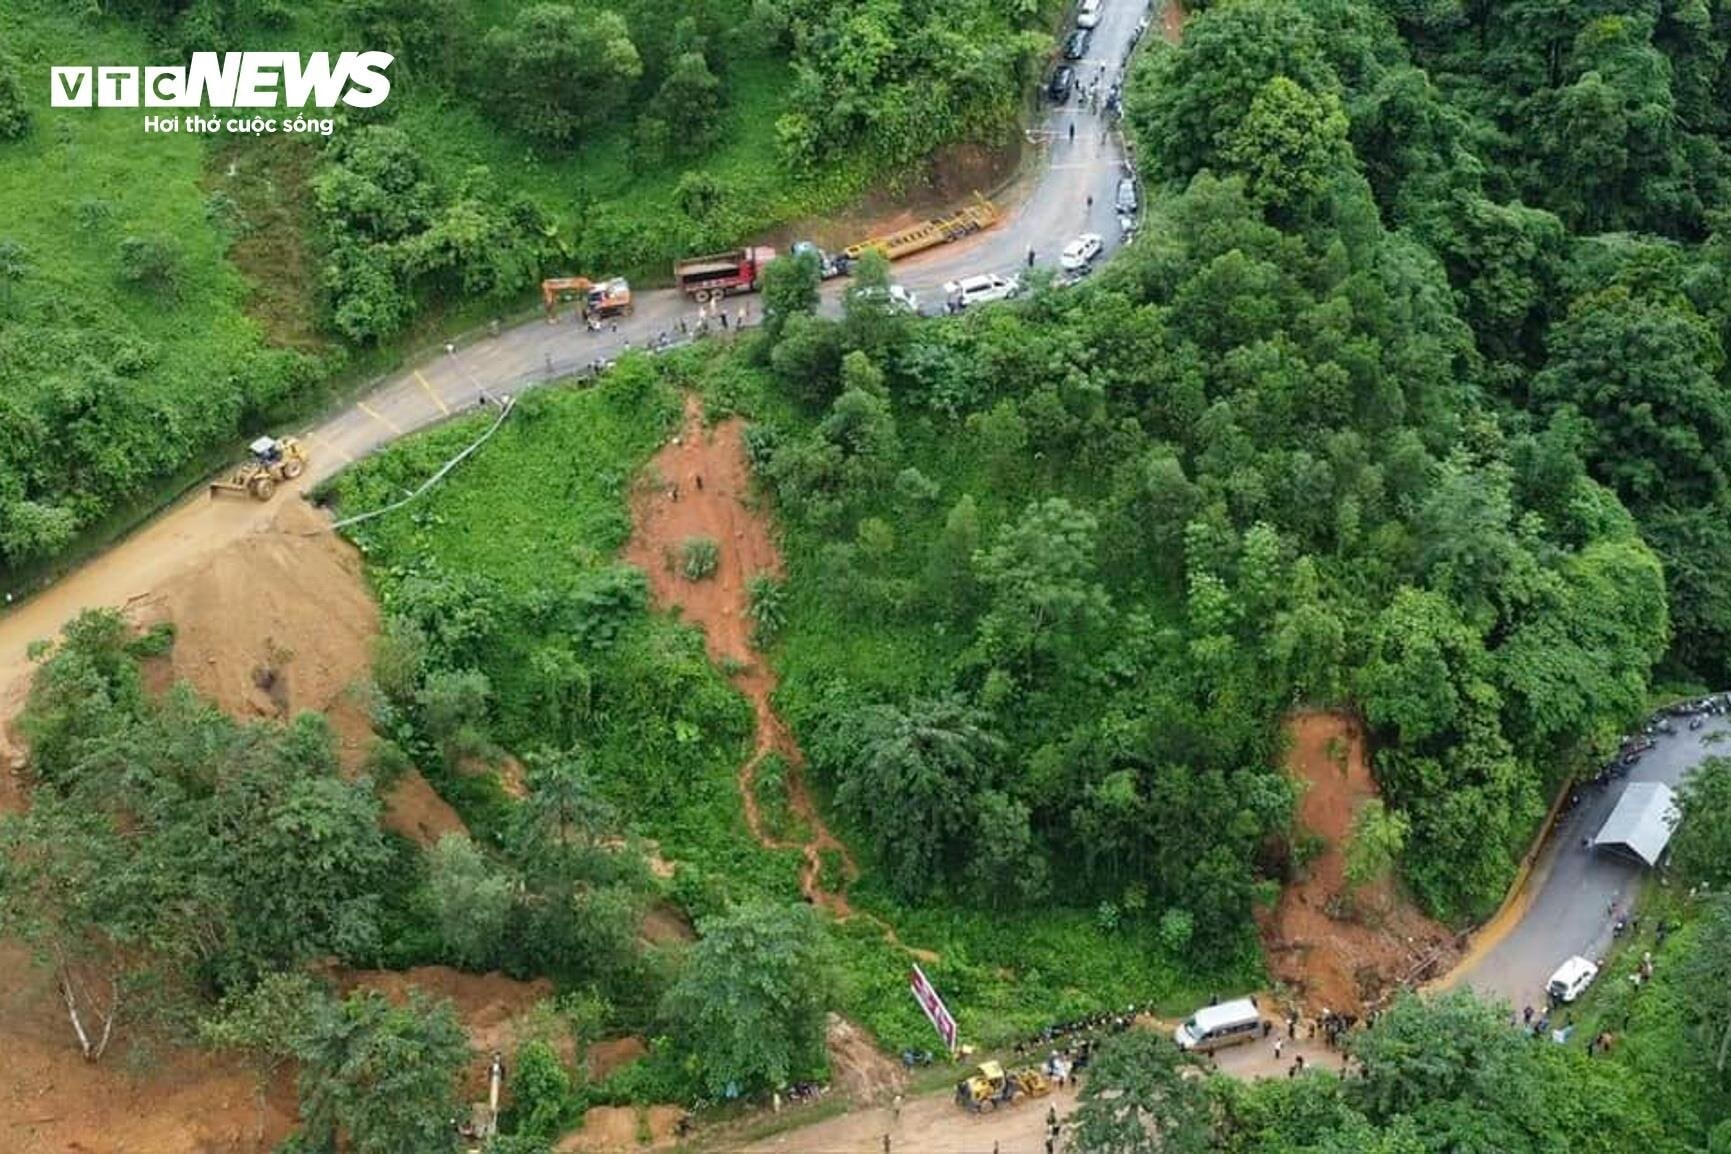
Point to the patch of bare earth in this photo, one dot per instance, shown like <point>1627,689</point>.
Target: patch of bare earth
<point>496,1012</point>
<point>698,485</point>
<point>613,1129</point>
<point>1336,952</point>
<point>857,1067</point>
<point>1172,17</point>
<point>665,923</point>
<point>137,1101</point>
<point>605,1057</point>
<point>943,183</point>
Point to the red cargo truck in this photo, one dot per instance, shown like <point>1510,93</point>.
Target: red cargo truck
<point>717,275</point>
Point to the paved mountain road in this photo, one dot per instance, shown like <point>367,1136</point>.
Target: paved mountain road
<point>1565,906</point>
<point>1048,210</point>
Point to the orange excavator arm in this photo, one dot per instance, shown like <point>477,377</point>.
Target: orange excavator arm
<point>550,289</point>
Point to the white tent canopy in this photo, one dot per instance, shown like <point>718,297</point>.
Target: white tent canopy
<point>1641,824</point>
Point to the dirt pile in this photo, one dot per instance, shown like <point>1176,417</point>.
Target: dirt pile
<point>277,622</point>
<point>274,623</point>
<point>857,1067</point>
<point>496,1011</point>
<point>1333,957</point>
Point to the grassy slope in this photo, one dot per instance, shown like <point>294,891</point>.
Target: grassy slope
<point>149,185</point>
<point>547,497</point>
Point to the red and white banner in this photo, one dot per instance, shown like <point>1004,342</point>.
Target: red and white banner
<point>934,1007</point>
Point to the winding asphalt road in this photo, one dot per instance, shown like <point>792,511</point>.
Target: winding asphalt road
<point>1565,906</point>
<point>1044,212</point>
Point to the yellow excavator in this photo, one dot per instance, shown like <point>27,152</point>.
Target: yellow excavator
<point>992,1085</point>
<point>483,1123</point>
<point>274,460</point>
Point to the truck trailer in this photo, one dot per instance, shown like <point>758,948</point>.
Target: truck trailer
<point>707,277</point>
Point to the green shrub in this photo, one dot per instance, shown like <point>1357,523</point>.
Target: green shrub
<point>767,609</point>
<point>698,558</point>
<point>14,112</point>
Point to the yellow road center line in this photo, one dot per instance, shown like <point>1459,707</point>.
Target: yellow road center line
<point>437,400</point>
<point>322,443</point>
<point>380,418</point>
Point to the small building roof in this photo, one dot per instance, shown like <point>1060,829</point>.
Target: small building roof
<point>1641,824</point>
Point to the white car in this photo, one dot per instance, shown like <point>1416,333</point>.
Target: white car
<point>899,296</point>
<point>1571,980</point>
<point>1088,13</point>
<point>1080,253</point>
<point>979,290</point>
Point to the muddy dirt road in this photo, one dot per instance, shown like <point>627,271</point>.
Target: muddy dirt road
<point>934,1124</point>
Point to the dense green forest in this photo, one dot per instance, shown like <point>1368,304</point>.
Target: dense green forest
<point>161,296</point>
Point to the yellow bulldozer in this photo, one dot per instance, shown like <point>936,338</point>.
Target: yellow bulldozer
<point>274,460</point>
<point>992,1085</point>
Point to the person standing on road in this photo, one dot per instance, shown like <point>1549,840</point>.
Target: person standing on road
<point>1072,132</point>
<point>1279,1045</point>
<point>1030,256</point>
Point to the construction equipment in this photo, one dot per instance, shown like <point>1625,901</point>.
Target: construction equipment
<point>273,462</point>
<point>977,217</point>
<point>703,278</point>
<point>992,1085</point>
<point>601,299</point>
<point>483,1123</point>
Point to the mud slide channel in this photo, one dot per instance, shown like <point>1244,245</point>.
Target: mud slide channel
<point>698,485</point>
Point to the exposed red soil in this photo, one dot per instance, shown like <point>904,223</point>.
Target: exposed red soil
<point>665,922</point>
<point>946,181</point>
<point>1331,957</point>
<point>603,1058</point>
<point>415,810</point>
<point>169,1102</point>
<point>274,624</point>
<point>857,1067</point>
<point>1172,17</point>
<point>698,485</point>
<point>495,1010</point>
<point>615,1129</point>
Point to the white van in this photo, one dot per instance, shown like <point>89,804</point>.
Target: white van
<point>978,290</point>
<point>1088,13</point>
<point>1214,1027</point>
<point>1571,980</point>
